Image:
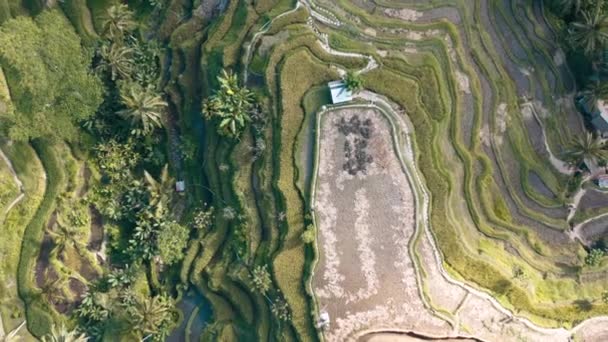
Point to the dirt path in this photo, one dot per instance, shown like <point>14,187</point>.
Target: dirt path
<point>256,36</point>
<point>561,166</point>
<point>576,231</point>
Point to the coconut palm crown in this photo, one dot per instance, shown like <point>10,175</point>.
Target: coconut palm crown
<point>62,334</point>
<point>586,147</point>
<point>590,33</point>
<point>353,82</point>
<point>118,22</point>
<point>144,108</point>
<point>117,60</point>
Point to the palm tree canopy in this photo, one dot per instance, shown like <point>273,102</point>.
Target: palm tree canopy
<point>64,236</point>
<point>117,59</point>
<point>119,20</point>
<point>161,190</point>
<point>565,7</point>
<point>353,81</point>
<point>586,147</point>
<point>594,92</point>
<point>144,108</point>
<point>591,32</point>
<point>148,315</point>
<point>62,334</point>
<point>231,105</point>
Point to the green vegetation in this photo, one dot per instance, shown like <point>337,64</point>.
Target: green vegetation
<point>231,106</point>
<point>47,71</point>
<point>586,148</point>
<point>353,82</point>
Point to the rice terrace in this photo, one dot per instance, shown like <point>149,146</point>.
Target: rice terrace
<point>304,170</point>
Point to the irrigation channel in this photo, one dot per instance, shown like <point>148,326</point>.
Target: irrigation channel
<point>195,315</point>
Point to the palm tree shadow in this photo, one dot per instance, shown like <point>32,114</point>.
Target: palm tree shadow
<point>583,304</point>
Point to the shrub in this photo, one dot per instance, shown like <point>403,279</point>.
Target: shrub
<point>309,235</point>
<point>594,258</point>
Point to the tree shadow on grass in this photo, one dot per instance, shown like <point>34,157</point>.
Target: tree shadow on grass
<point>583,304</point>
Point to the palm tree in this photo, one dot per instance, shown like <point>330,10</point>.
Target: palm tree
<point>64,237</point>
<point>53,289</point>
<point>353,82</point>
<point>231,105</point>
<point>148,315</point>
<point>119,20</point>
<point>64,335</point>
<point>12,336</point>
<point>95,306</point>
<point>162,189</point>
<point>144,108</point>
<point>591,32</point>
<point>587,147</point>
<point>117,59</point>
<point>595,91</point>
<point>565,7</point>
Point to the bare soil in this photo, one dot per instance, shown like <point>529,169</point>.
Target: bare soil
<point>365,277</point>
<point>594,199</point>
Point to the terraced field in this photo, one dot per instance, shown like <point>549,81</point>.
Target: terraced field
<point>462,215</point>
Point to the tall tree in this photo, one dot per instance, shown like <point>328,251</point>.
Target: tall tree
<point>586,147</point>
<point>594,92</point>
<point>118,22</point>
<point>353,81</point>
<point>48,73</point>
<point>62,334</point>
<point>590,32</point>
<point>567,7</point>
<point>160,190</point>
<point>63,237</point>
<point>152,315</point>
<point>117,60</point>
<point>231,106</point>
<point>144,108</point>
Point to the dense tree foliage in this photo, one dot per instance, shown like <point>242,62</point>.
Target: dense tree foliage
<point>590,31</point>
<point>116,59</point>
<point>62,334</point>
<point>172,240</point>
<point>231,106</point>
<point>118,22</point>
<point>143,108</point>
<point>49,76</point>
<point>152,316</point>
